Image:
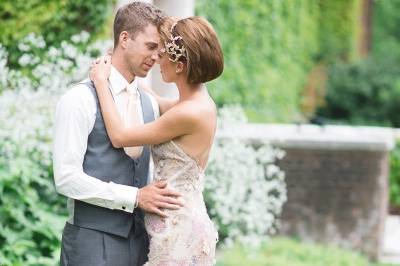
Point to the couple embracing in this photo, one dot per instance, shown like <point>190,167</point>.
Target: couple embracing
<point>132,163</point>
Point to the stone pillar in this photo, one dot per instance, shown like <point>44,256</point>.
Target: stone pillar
<point>180,9</point>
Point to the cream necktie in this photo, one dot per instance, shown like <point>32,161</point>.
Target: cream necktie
<point>132,118</point>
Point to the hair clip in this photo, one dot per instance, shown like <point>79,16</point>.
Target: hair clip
<point>174,46</point>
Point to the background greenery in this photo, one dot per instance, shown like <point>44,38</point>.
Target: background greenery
<point>367,91</point>
<point>286,252</point>
<point>31,212</point>
<point>271,46</point>
<point>395,178</point>
<point>56,21</point>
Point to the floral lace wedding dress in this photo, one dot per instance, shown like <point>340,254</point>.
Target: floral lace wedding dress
<point>187,237</point>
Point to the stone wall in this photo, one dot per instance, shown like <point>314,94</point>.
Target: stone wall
<point>336,197</point>
<point>337,182</point>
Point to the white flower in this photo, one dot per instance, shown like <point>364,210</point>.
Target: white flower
<point>54,52</point>
<point>82,37</point>
<point>25,60</point>
<point>24,47</point>
<point>3,67</point>
<point>27,105</point>
<point>244,187</point>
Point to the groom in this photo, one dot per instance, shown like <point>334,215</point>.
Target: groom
<point>107,190</point>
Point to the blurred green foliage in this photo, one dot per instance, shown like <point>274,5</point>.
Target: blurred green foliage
<point>288,252</point>
<point>386,29</point>
<point>338,29</point>
<point>271,46</point>
<point>54,20</point>
<point>368,91</point>
<point>31,213</point>
<point>394,188</point>
<point>365,92</point>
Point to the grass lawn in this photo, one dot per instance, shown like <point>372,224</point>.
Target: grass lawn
<point>287,252</point>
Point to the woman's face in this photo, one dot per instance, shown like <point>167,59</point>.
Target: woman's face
<point>167,68</point>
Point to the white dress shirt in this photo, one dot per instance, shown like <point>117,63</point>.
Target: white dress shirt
<point>74,120</point>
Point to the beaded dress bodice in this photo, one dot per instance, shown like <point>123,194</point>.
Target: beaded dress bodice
<point>187,236</point>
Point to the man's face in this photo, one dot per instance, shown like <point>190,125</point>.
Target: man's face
<point>141,53</point>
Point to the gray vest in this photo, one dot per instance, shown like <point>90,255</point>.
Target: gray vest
<point>109,164</point>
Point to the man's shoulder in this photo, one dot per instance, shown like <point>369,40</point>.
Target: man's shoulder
<point>78,94</point>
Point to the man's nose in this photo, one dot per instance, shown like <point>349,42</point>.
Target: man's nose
<point>154,56</point>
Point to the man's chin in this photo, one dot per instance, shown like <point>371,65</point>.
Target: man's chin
<point>142,74</point>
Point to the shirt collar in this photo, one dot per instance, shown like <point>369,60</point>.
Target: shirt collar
<point>119,83</point>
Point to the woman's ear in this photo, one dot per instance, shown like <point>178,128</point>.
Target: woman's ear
<point>179,67</point>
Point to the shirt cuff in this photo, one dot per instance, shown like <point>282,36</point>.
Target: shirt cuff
<point>124,197</point>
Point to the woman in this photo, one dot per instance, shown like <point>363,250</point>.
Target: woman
<point>181,138</point>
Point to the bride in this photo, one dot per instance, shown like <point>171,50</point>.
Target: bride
<point>181,139</point>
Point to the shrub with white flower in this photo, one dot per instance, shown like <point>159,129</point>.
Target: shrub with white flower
<point>31,212</point>
<point>244,189</point>
<point>3,68</point>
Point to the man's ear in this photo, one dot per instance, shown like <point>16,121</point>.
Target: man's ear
<point>179,67</point>
<point>123,39</point>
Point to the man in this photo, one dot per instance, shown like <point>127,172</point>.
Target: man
<point>104,184</point>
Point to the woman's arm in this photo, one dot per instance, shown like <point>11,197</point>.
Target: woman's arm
<point>164,103</point>
<point>174,123</point>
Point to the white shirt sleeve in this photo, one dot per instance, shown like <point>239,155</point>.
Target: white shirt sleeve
<point>74,120</point>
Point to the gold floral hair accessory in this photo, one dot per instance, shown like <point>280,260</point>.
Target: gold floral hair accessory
<point>174,46</point>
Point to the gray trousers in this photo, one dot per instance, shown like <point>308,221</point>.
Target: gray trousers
<point>86,247</point>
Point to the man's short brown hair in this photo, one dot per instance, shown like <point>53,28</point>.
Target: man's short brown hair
<point>134,18</point>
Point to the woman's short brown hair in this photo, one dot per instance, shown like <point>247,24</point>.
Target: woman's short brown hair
<point>203,55</point>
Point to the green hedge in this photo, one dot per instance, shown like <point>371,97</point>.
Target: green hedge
<point>271,46</point>
<point>394,188</point>
<point>339,27</point>
<point>386,30</point>
<point>31,213</point>
<point>366,92</point>
<point>54,20</point>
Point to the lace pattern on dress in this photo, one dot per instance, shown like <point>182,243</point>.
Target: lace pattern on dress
<point>187,236</point>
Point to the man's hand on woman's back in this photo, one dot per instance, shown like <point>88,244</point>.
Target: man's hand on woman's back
<point>156,197</point>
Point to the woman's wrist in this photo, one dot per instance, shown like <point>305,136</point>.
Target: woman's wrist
<point>100,83</point>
